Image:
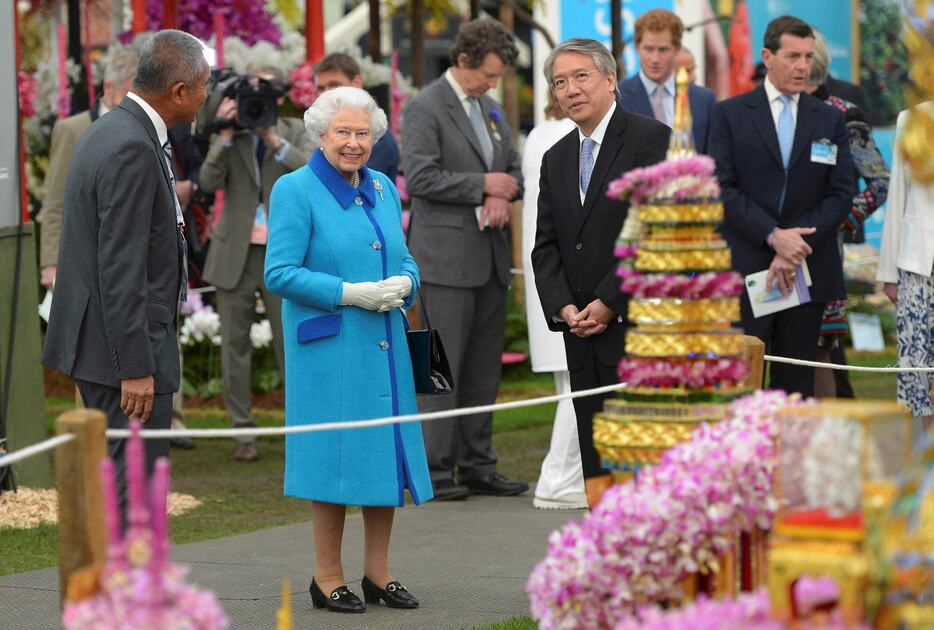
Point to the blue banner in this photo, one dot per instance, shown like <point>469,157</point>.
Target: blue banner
<point>833,18</point>
<point>591,18</point>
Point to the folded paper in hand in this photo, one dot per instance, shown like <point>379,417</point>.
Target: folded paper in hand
<point>766,300</point>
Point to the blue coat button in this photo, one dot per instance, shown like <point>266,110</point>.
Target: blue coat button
<point>358,201</point>
<point>384,345</point>
<point>377,245</point>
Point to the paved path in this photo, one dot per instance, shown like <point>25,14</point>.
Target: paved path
<point>467,562</point>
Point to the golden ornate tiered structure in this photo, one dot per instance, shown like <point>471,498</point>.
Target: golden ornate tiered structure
<point>670,238</point>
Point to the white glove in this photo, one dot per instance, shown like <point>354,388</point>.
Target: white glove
<point>403,283</point>
<point>371,296</point>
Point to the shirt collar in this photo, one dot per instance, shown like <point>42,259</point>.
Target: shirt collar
<point>458,90</point>
<point>162,131</point>
<point>343,192</point>
<point>650,85</point>
<point>600,131</point>
<point>772,92</point>
<point>101,109</point>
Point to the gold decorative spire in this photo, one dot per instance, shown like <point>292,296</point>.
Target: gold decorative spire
<point>682,136</point>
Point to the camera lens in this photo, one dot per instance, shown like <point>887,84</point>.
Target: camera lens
<point>255,107</point>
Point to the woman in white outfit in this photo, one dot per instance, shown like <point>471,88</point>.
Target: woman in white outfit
<point>561,483</point>
<point>906,262</point>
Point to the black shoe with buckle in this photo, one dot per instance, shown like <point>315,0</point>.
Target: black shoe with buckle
<point>394,594</point>
<point>341,600</point>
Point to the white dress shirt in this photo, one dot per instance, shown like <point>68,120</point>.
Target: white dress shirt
<point>668,94</point>
<point>162,131</point>
<point>597,136</point>
<point>462,96</point>
<point>908,232</point>
<point>776,105</point>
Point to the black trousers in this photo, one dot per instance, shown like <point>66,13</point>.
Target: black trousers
<point>591,374</point>
<point>107,399</point>
<point>793,334</point>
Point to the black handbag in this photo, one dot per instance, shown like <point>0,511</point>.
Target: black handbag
<point>430,369</point>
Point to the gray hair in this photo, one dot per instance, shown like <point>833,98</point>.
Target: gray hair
<point>167,58</point>
<point>121,67</point>
<point>602,57</point>
<point>318,117</point>
<point>821,64</point>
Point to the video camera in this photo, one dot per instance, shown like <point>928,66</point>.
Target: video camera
<point>257,102</point>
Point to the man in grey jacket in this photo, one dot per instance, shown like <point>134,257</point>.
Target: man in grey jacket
<point>462,171</point>
<point>245,164</point>
<point>121,263</point>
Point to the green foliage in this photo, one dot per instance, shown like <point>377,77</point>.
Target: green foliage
<point>883,59</point>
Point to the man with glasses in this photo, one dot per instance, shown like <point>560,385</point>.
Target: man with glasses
<point>575,269</point>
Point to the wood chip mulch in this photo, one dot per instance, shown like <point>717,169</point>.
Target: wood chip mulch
<point>30,507</point>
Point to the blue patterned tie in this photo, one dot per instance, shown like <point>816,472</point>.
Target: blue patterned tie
<point>786,129</point>
<point>586,163</point>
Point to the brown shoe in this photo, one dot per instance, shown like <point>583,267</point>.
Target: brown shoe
<point>595,487</point>
<point>246,453</point>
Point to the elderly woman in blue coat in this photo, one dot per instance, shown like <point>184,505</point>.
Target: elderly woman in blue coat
<point>337,257</point>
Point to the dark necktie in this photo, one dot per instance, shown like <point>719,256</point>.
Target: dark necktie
<point>260,151</point>
<point>180,227</point>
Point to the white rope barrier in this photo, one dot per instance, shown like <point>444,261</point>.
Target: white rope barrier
<point>36,449</point>
<point>54,442</point>
<point>363,424</point>
<point>849,368</point>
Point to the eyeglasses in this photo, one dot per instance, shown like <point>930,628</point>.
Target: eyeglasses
<point>578,78</point>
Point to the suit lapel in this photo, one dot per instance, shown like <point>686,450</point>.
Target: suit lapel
<point>761,114</point>
<point>459,116</point>
<point>807,118</point>
<point>612,143</point>
<point>638,97</point>
<point>133,107</point>
<point>571,172</point>
<point>248,153</point>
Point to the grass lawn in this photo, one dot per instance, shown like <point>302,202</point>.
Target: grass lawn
<point>239,498</point>
<point>519,623</point>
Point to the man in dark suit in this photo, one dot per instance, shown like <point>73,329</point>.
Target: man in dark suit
<point>651,92</point>
<point>783,161</point>
<point>463,171</point>
<point>575,269</point>
<point>121,260</point>
<point>342,70</point>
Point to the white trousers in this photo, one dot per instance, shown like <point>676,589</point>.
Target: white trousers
<point>562,473</point>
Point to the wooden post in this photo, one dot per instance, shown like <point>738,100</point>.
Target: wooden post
<point>754,353</point>
<point>82,537</point>
<point>417,37</point>
<point>375,34</point>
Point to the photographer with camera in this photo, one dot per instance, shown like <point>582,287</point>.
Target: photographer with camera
<point>251,149</point>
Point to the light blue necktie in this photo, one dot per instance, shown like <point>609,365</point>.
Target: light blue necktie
<point>786,139</point>
<point>786,129</point>
<point>586,163</point>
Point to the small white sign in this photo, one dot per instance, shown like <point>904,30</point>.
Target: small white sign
<point>866,332</point>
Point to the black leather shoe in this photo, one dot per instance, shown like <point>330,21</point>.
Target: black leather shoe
<point>341,600</point>
<point>447,490</point>
<point>394,594</point>
<point>496,485</point>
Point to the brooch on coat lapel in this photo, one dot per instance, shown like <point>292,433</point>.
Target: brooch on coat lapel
<point>494,127</point>
<point>378,187</point>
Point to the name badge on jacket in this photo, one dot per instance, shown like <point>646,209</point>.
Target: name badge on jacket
<point>824,152</point>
